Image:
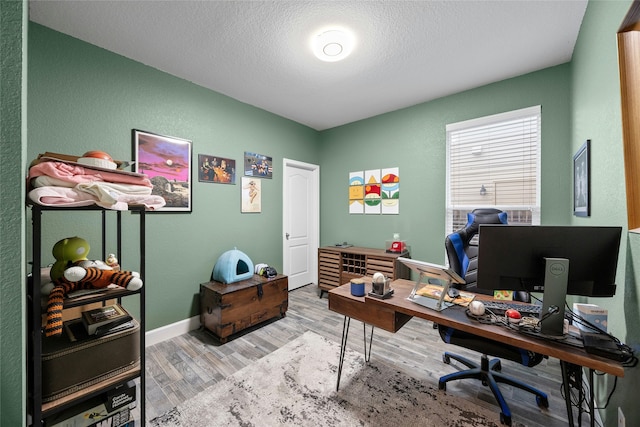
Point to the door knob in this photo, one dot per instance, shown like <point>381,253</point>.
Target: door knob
<point>287,236</point>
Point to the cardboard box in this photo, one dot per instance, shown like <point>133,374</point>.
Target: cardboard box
<point>112,409</point>
<point>120,396</point>
<point>592,314</point>
<point>96,417</point>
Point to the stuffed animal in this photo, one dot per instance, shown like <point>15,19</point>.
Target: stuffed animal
<point>112,262</point>
<point>92,263</point>
<point>68,252</point>
<point>75,278</point>
<point>47,285</point>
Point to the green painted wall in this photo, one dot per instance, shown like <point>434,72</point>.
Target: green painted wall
<point>13,35</point>
<point>579,100</point>
<point>414,140</point>
<point>596,116</point>
<point>82,97</point>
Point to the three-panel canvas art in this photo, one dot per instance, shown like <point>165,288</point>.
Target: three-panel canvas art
<point>375,191</point>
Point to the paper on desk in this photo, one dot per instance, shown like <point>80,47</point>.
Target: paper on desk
<point>434,291</point>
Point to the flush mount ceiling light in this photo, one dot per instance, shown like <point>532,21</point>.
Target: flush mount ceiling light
<point>332,45</point>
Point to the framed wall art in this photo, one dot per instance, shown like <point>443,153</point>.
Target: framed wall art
<point>251,195</point>
<point>582,180</point>
<point>258,165</point>
<point>216,169</point>
<point>375,191</point>
<point>166,160</point>
<point>356,192</point>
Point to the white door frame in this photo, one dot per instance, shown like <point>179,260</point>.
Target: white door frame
<point>315,222</point>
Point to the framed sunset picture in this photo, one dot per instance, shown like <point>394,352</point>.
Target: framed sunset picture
<point>166,160</point>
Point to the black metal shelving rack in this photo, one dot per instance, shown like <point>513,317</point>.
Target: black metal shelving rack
<point>36,410</point>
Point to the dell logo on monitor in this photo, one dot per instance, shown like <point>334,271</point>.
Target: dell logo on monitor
<point>557,269</point>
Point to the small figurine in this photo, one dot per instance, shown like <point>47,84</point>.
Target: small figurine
<point>112,262</point>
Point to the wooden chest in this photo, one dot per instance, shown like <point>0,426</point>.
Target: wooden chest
<point>226,309</point>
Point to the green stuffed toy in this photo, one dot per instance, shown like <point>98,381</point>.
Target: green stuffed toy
<point>67,252</point>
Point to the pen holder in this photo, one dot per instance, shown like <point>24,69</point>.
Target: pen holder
<point>357,287</point>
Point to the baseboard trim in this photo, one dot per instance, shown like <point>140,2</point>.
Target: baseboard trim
<point>173,330</point>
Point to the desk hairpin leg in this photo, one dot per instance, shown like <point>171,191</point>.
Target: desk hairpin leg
<point>568,370</point>
<point>580,399</point>
<point>565,366</point>
<point>572,376</point>
<point>343,345</point>
<point>591,399</point>
<point>367,355</point>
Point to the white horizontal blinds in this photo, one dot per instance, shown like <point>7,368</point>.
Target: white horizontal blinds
<point>494,162</point>
<point>501,158</point>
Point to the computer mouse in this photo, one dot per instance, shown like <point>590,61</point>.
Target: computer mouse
<point>453,293</point>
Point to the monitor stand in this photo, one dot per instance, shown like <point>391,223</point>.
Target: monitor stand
<point>556,274</point>
<point>434,304</point>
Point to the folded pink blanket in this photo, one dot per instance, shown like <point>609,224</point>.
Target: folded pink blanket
<point>79,175</point>
<point>93,195</point>
<point>137,190</point>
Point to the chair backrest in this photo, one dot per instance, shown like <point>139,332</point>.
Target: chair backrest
<point>462,254</point>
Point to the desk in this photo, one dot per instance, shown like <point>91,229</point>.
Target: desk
<point>393,313</point>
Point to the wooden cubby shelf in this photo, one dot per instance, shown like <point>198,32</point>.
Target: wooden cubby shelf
<point>338,265</point>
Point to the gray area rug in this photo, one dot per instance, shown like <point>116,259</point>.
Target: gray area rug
<point>296,386</point>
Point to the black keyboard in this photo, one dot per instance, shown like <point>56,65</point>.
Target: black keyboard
<point>499,307</point>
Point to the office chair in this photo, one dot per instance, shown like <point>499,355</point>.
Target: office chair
<point>462,257</point>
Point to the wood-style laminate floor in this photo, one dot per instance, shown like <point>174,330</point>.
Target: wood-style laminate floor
<point>179,368</point>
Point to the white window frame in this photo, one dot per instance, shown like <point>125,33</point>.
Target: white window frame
<point>525,113</point>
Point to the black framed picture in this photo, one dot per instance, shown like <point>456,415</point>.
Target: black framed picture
<point>582,180</point>
<point>166,160</point>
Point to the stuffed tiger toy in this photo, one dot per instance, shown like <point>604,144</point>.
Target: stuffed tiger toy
<point>77,278</point>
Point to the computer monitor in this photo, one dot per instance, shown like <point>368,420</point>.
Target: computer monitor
<point>556,260</point>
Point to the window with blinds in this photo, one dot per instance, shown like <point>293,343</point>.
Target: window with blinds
<point>494,161</point>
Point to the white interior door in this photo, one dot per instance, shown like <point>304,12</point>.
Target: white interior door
<point>300,222</point>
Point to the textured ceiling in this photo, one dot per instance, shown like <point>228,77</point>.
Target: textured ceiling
<point>257,52</point>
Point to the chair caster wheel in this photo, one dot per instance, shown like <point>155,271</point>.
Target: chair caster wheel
<point>442,386</point>
<point>446,359</point>
<point>505,419</point>
<point>542,402</point>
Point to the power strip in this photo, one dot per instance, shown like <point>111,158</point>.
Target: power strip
<point>602,345</point>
